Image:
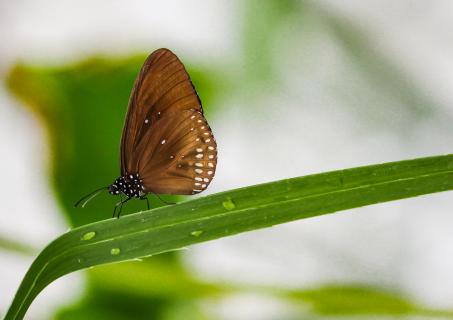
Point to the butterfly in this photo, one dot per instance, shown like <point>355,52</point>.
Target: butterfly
<point>167,145</point>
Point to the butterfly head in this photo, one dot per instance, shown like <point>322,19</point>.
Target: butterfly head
<point>130,184</point>
<point>114,188</point>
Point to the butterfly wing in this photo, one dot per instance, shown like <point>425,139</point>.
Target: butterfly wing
<point>181,159</point>
<point>166,138</point>
<point>162,86</point>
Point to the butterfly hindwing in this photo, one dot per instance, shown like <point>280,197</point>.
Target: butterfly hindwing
<point>180,160</point>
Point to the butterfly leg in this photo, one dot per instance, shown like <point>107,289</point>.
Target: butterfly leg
<point>116,206</point>
<point>147,201</point>
<point>120,206</point>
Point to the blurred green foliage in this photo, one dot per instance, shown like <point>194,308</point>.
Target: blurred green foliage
<point>357,300</point>
<point>16,246</point>
<point>157,290</point>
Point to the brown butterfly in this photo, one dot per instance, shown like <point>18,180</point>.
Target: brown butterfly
<point>167,146</point>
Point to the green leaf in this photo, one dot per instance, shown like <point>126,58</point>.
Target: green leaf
<point>227,213</point>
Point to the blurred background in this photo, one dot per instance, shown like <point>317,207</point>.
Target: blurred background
<point>290,88</point>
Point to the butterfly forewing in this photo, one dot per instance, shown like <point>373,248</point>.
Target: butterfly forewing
<point>162,86</point>
<point>166,139</point>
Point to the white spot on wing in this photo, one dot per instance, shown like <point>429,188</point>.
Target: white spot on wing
<point>163,141</point>
<point>198,170</point>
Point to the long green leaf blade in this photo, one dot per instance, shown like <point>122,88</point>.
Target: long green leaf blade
<point>227,213</point>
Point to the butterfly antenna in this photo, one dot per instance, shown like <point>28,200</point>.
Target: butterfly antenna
<point>88,197</point>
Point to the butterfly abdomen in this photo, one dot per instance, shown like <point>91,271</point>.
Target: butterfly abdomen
<point>130,184</point>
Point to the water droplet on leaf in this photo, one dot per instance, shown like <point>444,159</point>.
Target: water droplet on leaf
<point>115,251</point>
<point>89,235</point>
<point>229,204</point>
<point>196,233</point>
